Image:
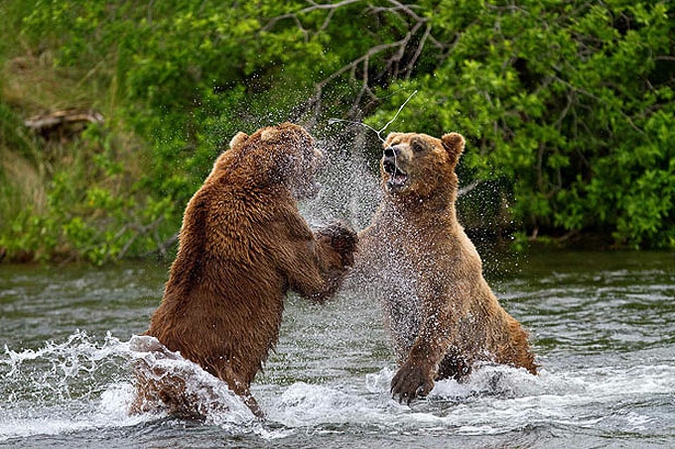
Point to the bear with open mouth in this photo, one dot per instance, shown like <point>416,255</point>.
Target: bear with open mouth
<point>417,260</point>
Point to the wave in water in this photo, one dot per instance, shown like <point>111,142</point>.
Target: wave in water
<point>82,384</point>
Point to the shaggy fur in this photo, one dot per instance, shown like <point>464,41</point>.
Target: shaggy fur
<point>441,313</point>
<point>243,245</point>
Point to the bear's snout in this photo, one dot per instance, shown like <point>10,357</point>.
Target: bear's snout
<point>391,152</point>
<point>397,178</point>
<point>392,157</point>
<point>389,166</point>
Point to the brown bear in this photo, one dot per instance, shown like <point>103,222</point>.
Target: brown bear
<point>416,258</point>
<point>242,246</point>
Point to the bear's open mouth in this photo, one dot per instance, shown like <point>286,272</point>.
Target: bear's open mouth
<point>397,177</point>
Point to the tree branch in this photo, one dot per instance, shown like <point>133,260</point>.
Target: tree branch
<point>314,7</point>
<point>394,59</point>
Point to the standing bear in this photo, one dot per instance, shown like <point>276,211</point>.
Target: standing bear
<point>416,259</point>
<point>242,246</point>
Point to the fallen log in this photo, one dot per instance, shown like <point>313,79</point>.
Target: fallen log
<point>47,123</point>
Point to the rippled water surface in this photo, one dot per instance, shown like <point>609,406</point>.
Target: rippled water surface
<point>602,324</point>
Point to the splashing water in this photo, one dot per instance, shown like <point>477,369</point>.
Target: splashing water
<point>379,132</point>
<point>80,384</point>
<point>601,325</point>
<point>349,190</point>
<point>84,390</point>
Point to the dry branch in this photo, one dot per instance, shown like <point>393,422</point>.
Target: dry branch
<point>379,64</point>
<point>43,122</point>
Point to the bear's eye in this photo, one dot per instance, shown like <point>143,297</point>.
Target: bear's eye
<point>418,146</point>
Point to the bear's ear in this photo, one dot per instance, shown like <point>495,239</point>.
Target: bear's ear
<point>453,144</point>
<point>238,140</point>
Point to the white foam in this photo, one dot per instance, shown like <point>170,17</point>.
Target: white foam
<point>217,402</point>
<point>81,385</point>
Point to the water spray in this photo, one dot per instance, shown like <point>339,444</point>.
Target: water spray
<point>332,121</point>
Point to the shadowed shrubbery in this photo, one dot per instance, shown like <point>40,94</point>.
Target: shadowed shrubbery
<point>567,108</point>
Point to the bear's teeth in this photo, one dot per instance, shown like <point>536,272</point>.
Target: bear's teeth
<point>400,179</point>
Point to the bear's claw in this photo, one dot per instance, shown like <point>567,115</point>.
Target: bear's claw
<point>342,238</point>
<point>410,382</point>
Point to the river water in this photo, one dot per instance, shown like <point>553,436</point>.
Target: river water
<point>602,325</point>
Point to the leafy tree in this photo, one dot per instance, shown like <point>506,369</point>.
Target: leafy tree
<point>567,101</point>
<point>567,106</point>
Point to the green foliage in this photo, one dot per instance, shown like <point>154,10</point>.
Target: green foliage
<point>569,101</point>
<point>567,107</point>
<point>87,213</point>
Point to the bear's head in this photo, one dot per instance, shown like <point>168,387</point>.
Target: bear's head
<point>282,154</point>
<point>417,166</point>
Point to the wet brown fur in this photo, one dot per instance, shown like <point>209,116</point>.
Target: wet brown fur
<point>442,314</point>
<point>242,246</point>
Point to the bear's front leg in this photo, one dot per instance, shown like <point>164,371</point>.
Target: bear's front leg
<point>415,377</point>
<point>412,380</point>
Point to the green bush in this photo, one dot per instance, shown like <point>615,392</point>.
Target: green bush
<point>567,106</point>
<point>570,102</point>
